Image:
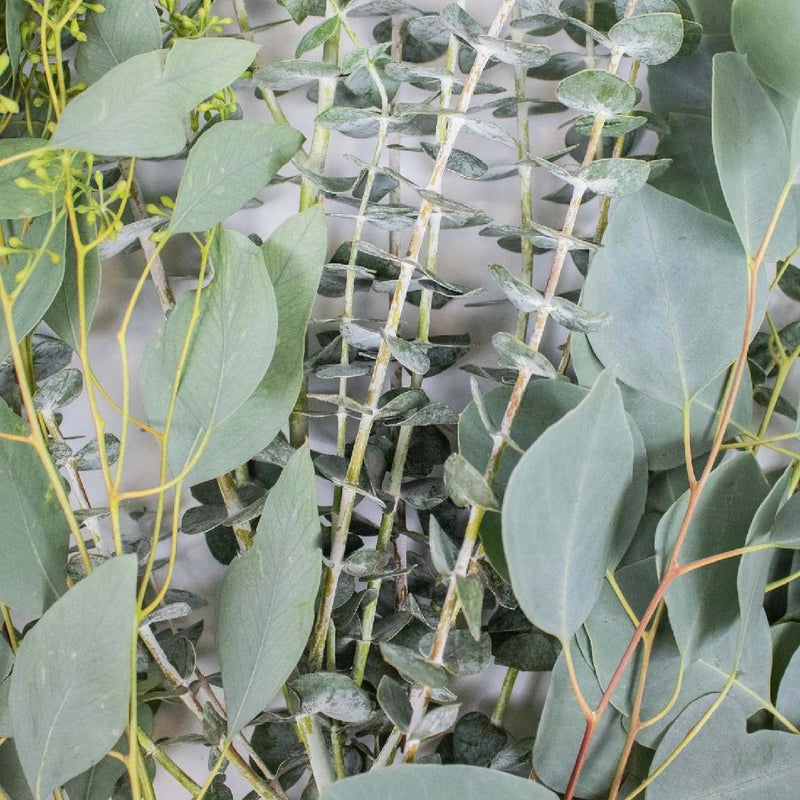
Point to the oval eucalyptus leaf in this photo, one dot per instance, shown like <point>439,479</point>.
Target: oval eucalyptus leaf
<point>649,38</point>
<point>88,457</point>
<point>595,91</point>
<point>764,30</point>
<point>437,721</point>
<point>414,667</point>
<point>616,177</point>
<point>674,327</point>
<point>720,523</point>
<point>466,486</point>
<point>456,20</point>
<point>232,346</point>
<point>294,256</point>
<point>267,599</point>
<point>34,535</point>
<point>411,355</point>
<point>72,678</point>
<point>334,695</point>
<point>434,782</point>
<point>202,519</point>
<point>139,107</point>
<point>230,163</point>
<point>751,154</point>
<point>393,699</point>
<point>517,354</point>
<point>465,164</point>
<point>21,202</point>
<point>58,390</point>
<point>443,551</point>
<point>523,296</point>
<point>35,273</point>
<point>317,36</point>
<point>575,318</point>
<point>523,54</point>
<point>283,76</point>
<point>583,467</point>
<point>558,67</point>
<point>124,29</point>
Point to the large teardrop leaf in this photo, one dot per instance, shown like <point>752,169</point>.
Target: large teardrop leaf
<point>294,257</point>
<point>267,598</point>
<point>72,676</point>
<point>435,782</point>
<point>139,107</point>
<point>561,508</point>
<point>674,327</point>
<point>34,533</point>
<point>229,164</point>
<point>232,342</point>
<point>751,154</point>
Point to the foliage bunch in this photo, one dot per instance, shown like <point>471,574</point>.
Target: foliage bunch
<point>596,512</point>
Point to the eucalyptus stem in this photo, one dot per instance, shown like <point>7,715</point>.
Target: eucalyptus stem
<point>382,360</point>
<point>504,697</point>
<point>233,505</point>
<point>406,432</point>
<point>160,757</point>
<point>321,767</point>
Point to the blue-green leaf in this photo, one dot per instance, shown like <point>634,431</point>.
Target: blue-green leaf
<point>267,598</point>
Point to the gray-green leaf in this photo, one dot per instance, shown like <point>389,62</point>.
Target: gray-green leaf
<point>267,597</point>
<point>649,38</point>
<point>72,678</point>
<point>595,91</point>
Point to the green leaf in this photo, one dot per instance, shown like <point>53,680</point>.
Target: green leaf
<point>139,107</point>
<point>595,91</point>
<point>766,31</point>
<point>411,355</point>
<point>267,597</point>
<point>18,202</point>
<point>725,760</point>
<point>720,522</point>
<point>16,12</point>
<point>674,327</point>
<point>72,677</point>
<point>393,699</point>
<point>58,390</point>
<point>561,729</point>
<point>649,38</point>
<point>456,20</point>
<point>63,316</point>
<point>751,154</point>
<point>470,595</point>
<point>523,54</point>
<point>334,695</point>
<point>231,162</point>
<point>616,177</point>
<point>518,355</point>
<point>582,467</point>
<point>317,36</point>
<point>434,782</point>
<point>467,486</point>
<point>300,9</point>
<point>12,779</point>
<point>34,534</point>
<point>36,274</point>
<point>231,347</point>
<point>413,666</point>
<point>124,29</point>
<point>284,76</point>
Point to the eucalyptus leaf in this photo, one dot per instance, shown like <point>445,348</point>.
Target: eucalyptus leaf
<point>674,327</point>
<point>596,91</point>
<point>283,76</point>
<point>334,695</point>
<point>34,535</point>
<point>751,154</point>
<point>517,354</point>
<point>138,108</point>
<point>393,699</point>
<point>413,666</point>
<point>267,600</point>
<point>434,782</point>
<point>557,574</point>
<point>466,486</point>
<point>410,354</point>
<point>71,685</point>
<point>230,163</point>
<point>616,177</point>
<point>650,38</point>
<point>318,35</point>
<point>19,202</point>
<point>58,390</point>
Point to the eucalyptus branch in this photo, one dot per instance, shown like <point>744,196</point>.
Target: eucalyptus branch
<point>382,361</point>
